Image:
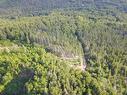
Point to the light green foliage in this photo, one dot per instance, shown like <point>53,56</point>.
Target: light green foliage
<point>38,47</point>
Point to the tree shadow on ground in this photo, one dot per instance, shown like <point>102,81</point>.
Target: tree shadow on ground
<point>17,85</point>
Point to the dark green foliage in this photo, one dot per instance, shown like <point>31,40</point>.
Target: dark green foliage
<point>16,8</point>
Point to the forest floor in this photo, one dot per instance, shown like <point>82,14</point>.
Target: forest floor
<point>8,48</point>
<point>81,66</point>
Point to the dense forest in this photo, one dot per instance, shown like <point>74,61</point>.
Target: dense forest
<point>42,7</point>
<point>71,48</point>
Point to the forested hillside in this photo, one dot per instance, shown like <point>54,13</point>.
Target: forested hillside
<point>78,47</point>
<point>39,7</point>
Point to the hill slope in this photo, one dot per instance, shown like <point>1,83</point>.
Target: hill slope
<point>29,65</point>
<point>80,52</point>
<point>26,6</point>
